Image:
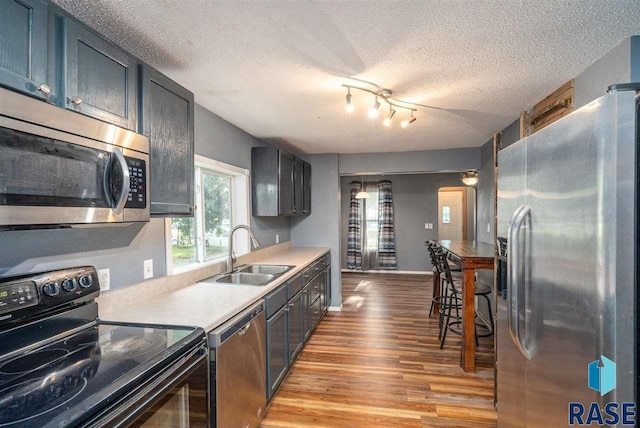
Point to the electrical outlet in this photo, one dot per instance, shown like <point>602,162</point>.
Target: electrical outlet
<point>277,238</point>
<point>148,268</point>
<point>104,278</point>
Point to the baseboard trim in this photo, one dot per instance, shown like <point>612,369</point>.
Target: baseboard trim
<point>335,308</point>
<point>402,272</point>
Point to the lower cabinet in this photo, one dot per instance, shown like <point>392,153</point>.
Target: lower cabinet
<point>277,349</point>
<point>293,311</point>
<point>296,328</point>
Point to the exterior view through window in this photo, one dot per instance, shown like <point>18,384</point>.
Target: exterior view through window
<point>205,237</point>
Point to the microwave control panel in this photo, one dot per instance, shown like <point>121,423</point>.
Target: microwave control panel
<point>138,183</point>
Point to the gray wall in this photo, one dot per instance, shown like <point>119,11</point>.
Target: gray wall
<point>123,248</point>
<point>217,139</point>
<point>407,162</point>
<point>614,67</point>
<point>415,202</point>
<point>322,227</point>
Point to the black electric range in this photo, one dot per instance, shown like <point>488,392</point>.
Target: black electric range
<point>61,366</point>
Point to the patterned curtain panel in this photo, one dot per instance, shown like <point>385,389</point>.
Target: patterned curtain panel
<point>386,229</point>
<point>354,237</point>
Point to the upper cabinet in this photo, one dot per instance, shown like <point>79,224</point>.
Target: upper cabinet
<point>167,120</point>
<point>306,188</point>
<point>24,47</point>
<point>278,183</point>
<point>101,79</point>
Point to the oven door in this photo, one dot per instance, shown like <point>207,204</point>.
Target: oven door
<point>177,398</point>
<point>50,177</point>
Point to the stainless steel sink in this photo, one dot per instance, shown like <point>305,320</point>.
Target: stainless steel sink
<point>242,278</point>
<point>266,269</point>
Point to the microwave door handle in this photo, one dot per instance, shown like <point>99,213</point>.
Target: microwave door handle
<point>126,181</point>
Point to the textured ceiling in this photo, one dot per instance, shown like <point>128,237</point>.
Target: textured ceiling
<point>275,68</point>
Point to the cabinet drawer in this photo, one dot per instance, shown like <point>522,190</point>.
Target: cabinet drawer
<point>275,300</point>
<point>315,288</point>
<point>295,285</point>
<point>316,313</point>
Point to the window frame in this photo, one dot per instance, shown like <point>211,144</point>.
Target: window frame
<point>240,213</point>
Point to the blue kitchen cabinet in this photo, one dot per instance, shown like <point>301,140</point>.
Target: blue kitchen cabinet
<point>167,119</point>
<point>101,79</point>
<point>277,349</point>
<point>24,47</point>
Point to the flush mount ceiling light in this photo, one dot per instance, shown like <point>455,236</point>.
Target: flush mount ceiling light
<point>385,96</point>
<point>470,178</point>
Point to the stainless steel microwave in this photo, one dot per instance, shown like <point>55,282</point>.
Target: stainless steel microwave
<point>59,167</point>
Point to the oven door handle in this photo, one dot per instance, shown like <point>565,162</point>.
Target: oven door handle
<point>126,181</point>
<point>129,410</point>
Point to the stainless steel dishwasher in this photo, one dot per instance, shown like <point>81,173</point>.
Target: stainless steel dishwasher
<point>238,370</point>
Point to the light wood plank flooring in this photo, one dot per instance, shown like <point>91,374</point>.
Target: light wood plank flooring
<point>378,364</point>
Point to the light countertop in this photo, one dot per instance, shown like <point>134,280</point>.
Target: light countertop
<point>206,304</point>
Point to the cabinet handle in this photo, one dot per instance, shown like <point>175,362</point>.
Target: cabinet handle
<point>75,100</point>
<point>44,88</point>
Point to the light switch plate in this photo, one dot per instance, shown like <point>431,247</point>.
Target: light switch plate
<point>104,278</point>
<point>426,225</point>
<point>488,227</point>
<point>148,268</point>
<point>277,238</point>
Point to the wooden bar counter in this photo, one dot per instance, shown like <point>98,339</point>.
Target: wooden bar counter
<point>469,255</point>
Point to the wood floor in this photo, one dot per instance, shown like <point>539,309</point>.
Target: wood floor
<point>378,364</point>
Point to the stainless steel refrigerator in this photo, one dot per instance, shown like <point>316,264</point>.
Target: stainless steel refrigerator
<point>567,207</point>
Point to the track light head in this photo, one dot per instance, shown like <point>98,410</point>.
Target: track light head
<point>373,111</point>
<point>409,121</point>
<point>350,107</point>
<point>387,121</point>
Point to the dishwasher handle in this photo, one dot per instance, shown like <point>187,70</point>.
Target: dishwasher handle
<point>239,324</point>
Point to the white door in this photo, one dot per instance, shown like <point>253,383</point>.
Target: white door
<point>450,216</point>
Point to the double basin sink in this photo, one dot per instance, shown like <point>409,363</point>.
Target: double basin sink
<point>258,275</point>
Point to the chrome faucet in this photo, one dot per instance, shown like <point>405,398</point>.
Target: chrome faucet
<point>254,242</point>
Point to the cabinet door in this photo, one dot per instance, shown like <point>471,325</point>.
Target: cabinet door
<point>101,79</point>
<point>327,288</point>
<point>297,186</point>
<point>168,122</point>
<point>23,46</point>
<point>306,312</point>
<point>285,184</point>
<point>296,332</point>
<point>306,188</point>
<point>277,350</point>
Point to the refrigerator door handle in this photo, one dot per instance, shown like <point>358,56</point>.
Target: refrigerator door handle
<point>516,272</point>
<point>512,269</point>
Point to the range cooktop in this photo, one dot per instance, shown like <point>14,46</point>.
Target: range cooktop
<point>58,384</point>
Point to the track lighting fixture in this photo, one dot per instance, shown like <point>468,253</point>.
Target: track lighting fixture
<point>350,107</point>
<point>387,121</point>
<point>373,111</point>
<point>409,121</point>
<point>383,95</point>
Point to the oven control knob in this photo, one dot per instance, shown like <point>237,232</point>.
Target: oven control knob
<point>86,281</point>
<point>51,289</point>
<point>69,284</point>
